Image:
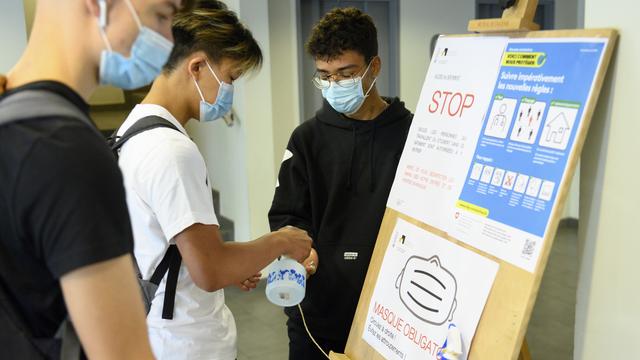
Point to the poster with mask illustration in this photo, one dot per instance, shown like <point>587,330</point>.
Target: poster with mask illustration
<point>425,284</point>
<point>445,128</point>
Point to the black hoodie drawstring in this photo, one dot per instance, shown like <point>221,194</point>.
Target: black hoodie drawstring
<point>372,184</point>
<point>353,154</point>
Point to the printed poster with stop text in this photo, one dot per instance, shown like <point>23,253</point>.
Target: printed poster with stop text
<point>425,284</point>
<point>452,105</point>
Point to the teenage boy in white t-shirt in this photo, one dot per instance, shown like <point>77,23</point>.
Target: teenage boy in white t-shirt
<point>169,195</point>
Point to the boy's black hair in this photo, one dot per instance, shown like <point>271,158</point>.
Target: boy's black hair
<point>214,29</point>
<point>343,29</point>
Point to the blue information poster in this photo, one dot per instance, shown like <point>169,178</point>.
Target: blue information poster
<point>526,140</point>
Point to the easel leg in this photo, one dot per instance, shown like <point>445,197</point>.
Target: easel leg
<point>524,351</point>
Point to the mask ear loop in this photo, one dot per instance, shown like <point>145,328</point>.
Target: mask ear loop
<point>198,88</point>
<point>374,79</point>
<point>371,87</point>
<point>221,84</point>
<point>134,14</point>
<point>367,69</point>
<point>102,24</point>
<point>214,73</point>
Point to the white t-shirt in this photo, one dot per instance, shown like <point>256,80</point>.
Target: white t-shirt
<point>168,190</point>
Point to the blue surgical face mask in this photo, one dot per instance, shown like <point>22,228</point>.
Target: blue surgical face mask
<point>348,97</point>
<point>222,105</point>
<point>149,53</point>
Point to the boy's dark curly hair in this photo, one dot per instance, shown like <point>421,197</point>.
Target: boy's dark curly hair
<point>340,30</point>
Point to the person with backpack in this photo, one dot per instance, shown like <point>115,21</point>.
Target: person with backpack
<point>169,191</point>
<point>65,234</point>
<point>336,175</point>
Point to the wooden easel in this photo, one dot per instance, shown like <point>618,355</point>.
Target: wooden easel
<point>515,289</point>
<point>516,18</point>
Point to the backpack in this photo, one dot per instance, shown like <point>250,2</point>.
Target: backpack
<point>172,259</point>
<point>65,345</point>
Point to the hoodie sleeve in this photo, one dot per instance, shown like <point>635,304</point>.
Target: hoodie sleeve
<point>291,202</point>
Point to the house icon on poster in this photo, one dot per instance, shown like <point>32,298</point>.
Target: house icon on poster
<point>557,129</point>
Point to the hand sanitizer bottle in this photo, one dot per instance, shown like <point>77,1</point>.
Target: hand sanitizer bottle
<point>286,282</point>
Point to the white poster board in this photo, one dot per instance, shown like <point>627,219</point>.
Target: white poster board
<point>488,149</point>
<point>425,284</point>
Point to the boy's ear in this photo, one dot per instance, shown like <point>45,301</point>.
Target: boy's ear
<point>97,8</point>
<point>376,65</point>
<point>195,64</point>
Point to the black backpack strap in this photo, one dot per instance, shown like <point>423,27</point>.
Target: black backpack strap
<point>170,262</point>
<point>172,282</point>
<point>142,125</point>
<point>163,266</point>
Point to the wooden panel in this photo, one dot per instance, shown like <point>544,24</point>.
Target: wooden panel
<point>107,95</point>
<point>503,323</point>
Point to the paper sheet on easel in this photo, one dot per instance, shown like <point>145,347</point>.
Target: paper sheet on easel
<point>425,283</point>
<point>522,155</point>
<point>445,129</point>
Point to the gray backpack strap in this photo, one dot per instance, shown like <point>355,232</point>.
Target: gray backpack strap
<point>71,348</point>
<point>19,106</point>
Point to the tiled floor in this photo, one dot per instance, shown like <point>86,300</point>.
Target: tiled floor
<point>550,333</point>
<point>262,332</point>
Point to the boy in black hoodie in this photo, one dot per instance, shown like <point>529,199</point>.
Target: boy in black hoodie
<point>336,175</point>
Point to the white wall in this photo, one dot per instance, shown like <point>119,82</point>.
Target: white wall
<point>567,17</point>
<point>13,33</point>
<point>608,298</point>
<point>283,39</point>
<point>259,122</point>
<point>224,151</point>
